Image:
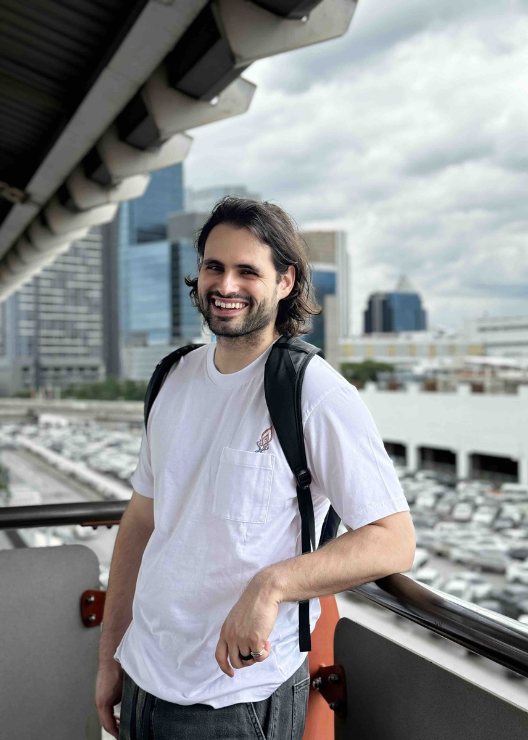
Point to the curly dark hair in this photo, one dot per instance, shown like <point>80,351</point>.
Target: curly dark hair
<point>275,228</point>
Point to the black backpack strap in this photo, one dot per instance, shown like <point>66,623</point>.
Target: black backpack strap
<point>283,378</point>
<point>160,373</point>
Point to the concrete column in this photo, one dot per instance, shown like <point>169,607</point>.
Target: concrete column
<point>412,457</point>
<point>523,470</point>
<point>462,465</point>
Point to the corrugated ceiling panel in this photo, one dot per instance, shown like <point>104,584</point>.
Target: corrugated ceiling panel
<point>51,52</point>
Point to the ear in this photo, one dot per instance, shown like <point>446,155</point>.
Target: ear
<point>286,283</point>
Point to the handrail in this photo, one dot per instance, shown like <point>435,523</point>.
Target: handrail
<point>86,513</point>
<point>482,631</point>
<point>486,633</point>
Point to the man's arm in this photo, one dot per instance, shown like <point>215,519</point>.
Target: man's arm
<point>137,525</point>
<point>376,550</point>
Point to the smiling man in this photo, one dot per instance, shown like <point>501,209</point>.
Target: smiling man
<point>200,633</point>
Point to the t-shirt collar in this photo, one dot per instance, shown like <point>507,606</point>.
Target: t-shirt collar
<point>233,380</point>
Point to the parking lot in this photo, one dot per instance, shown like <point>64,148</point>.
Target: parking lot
<point>472,540</point>
<point>472,536</point>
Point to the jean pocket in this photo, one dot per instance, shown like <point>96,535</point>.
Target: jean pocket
<point>243,486</point>
<point>301,691</point>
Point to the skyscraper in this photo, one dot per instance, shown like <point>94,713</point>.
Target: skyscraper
<point>395,312</point>
<point>51,332</point>
<point>330,261</point>
<point>138,275</point>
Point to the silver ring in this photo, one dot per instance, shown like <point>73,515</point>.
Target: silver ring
<point>257,655</point>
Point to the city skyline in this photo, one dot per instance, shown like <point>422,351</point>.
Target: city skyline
<point>409,133</point>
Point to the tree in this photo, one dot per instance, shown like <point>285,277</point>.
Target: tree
<point>110,389</point>
<point>364,372</point>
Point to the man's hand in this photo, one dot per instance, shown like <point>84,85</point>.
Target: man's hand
<point>108,689</point>
<point>247,627</point>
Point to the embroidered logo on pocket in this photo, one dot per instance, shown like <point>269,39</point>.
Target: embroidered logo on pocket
<point>264,442</point>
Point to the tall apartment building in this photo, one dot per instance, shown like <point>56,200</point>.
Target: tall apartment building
<point>51,329</point>
<point>400,310</point>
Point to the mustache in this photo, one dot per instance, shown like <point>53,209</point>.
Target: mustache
<point>231,297</point>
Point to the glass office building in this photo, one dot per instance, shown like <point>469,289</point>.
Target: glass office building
<point>325,283</point>
<point>145,272</point>
<point>395,312</point>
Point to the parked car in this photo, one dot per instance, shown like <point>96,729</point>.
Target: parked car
<point>424,537</point>
<point>462,512</point>
<point>429,577</point>
<point>444,543</point>
<point>461,555</point>
<point>485,515</point>
<point>494,605</point>
<point>421,556</point>
<point>458,587</point>
<point>445,505</point>
<point>490,559</point>
<point>503,523</point>
<point>512,597</point>
<point>519,552</point>
<point>517,572</point>
<point>481,586</point>
<point>511,511</point>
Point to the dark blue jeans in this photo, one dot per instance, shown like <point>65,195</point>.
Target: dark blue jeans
<point>279,717</point>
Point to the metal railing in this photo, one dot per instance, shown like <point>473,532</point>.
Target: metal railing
<point>483,632</point>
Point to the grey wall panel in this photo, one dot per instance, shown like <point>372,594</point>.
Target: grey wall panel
<point>394,694</point>
<point>48,657</point>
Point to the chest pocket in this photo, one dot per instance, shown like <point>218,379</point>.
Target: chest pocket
<point>243,486</point>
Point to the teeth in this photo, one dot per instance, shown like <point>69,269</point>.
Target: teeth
<point>222,304</point>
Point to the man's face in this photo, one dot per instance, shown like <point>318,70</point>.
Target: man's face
<point>238,272</point>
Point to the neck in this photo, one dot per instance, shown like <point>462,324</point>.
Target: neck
<point>235,353</point>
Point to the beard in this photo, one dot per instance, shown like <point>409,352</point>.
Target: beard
<point>257,317</point>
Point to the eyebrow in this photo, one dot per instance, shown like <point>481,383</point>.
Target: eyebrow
<point>244,266</point>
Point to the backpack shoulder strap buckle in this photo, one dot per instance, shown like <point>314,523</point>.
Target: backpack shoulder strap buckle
<point>304,478</point>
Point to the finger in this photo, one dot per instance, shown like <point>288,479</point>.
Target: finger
<point>221,658</point>
<point>234,657</point>
<point>265,654</point>
<point>249,661</point>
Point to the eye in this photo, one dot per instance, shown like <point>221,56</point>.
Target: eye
<point>213,267</point>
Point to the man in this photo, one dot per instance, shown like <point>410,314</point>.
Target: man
<point>212,532</point>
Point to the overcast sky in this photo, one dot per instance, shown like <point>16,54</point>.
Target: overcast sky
<point>410,133</point>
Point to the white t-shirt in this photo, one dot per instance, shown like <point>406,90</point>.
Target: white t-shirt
<point>225,507</point>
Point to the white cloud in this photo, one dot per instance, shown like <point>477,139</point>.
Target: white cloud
<point>411,133</point>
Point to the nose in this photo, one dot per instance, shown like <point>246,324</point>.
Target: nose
<point>227,283</point>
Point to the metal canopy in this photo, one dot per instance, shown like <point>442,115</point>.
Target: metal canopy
<point>51,52</point>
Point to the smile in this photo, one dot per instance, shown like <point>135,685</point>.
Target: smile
<point>224,307</point>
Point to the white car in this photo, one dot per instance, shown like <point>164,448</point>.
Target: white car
<point>517,572</point>
<point>459,588</point>
<point>485,515</point>
<point>421,557</point>
<point>429,577</point>
<point>462,512</point>
<point>481,587</point>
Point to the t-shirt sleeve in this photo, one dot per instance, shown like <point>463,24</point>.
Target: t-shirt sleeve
<point>348,461</point>
<point>142,479</point>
